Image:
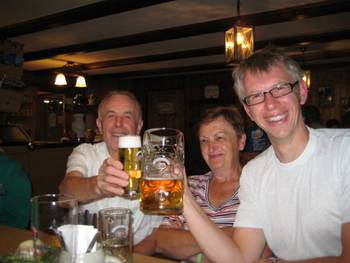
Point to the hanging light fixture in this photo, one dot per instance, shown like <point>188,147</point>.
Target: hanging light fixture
<point>70,69</point>
<point>239,40</point>
<point>81,82</point>
<point>307,73</point>
<point>307,78</point>
<point>60,80</point>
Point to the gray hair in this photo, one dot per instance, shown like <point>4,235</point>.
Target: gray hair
<point>121,93</point>
<point>262,61</point>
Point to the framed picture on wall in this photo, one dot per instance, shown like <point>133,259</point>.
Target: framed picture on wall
<point>326,96</point>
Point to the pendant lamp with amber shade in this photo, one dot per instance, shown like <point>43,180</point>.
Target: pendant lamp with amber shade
<point>239,40</point>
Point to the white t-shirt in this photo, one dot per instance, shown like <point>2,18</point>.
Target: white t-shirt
<point>87,159</point>
<point>300,205</point>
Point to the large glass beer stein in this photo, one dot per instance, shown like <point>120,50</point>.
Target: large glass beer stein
<point>162,171</point>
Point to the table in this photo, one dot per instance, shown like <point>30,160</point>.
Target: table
<point>11,237</point>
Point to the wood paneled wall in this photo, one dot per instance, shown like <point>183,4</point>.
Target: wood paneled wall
<point>179,100</point>
<point>183,101</point>
<point>338,80</point>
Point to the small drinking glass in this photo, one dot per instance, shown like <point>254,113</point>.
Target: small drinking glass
<point>48,213</point>
<point>115,226</point>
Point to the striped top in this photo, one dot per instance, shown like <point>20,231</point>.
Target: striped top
<point>223,216</point>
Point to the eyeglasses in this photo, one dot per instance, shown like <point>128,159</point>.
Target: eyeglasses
<point>277,91</point>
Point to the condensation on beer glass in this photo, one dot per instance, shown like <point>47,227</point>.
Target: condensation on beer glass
<point>130,155</point>
<point>162,165</point>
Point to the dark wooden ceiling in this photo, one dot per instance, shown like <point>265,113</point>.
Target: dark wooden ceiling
<point>322,46</point>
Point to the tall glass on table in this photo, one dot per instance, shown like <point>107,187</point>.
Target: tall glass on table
<point>48,213</point>
<point>162,182</point>
<point>115,225</point>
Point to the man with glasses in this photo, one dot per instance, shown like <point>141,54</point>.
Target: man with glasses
<point>279,90</point>
<point>295,196</point>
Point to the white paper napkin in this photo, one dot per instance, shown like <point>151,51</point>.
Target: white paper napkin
<point>78,237</point>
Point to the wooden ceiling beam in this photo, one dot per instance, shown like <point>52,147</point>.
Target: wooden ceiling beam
<point>155,58</point>
<point>76,15</point>
<point>313,57</point>
<point>171,70</point>
<point>224,67</point>
<point>306,40</point>
<point>312,60</point>
<point>264,18</point>
<point>282,42</point>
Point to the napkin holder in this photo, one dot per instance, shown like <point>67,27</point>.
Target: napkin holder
<point>77,239</point>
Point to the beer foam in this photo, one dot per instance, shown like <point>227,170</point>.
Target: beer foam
<point>129,141</point>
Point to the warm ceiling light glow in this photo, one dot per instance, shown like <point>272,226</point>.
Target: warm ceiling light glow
<point>81,83</point>
<point>307,78</point>
<point>307,73</point>
<point>239,43</point>
<point>60,80</point>
<point>239,40</point>
<point>71,69</point>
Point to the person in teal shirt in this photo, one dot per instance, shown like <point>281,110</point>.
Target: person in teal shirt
<point>15,193</point>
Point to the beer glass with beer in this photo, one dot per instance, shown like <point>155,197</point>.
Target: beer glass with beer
<point>130,156</point>
<point>115,225</point>
<point>162,172</point>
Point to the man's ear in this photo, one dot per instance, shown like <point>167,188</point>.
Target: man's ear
<point>303,92</point>
<point>99,125</point>
<point>139,127</point>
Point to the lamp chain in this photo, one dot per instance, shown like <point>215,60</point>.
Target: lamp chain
<point>303,49</point>
<point>238,8</point>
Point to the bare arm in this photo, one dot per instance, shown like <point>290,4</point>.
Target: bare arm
<point>175,243</point>
<point>82,188</point>
<point>146,246</point>
<point>247,246</point>
<point>172,243</point>
<point>87,189</point>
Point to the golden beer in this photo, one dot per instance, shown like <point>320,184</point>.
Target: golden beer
<point>161,196</point>
<point>115,227</point>
<point>134,183</point>
<point>132,165</point>
<point>117,249</point>
<point>129,151</point>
